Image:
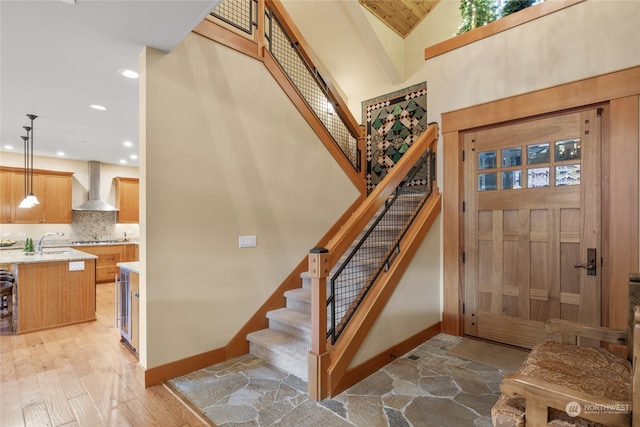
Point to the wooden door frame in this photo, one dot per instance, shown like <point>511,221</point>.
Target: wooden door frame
<point>620,140</point>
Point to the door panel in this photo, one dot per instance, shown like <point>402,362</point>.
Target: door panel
<point>532,208</point>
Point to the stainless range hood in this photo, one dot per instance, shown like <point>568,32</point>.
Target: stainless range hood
<point>94,203</point>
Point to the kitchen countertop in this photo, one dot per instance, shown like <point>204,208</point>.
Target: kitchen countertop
<point>17,256</point>
<point>131,266</point>
<point>69,243</point>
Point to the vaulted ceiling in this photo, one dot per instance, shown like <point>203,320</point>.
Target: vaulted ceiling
<point>400,15</point>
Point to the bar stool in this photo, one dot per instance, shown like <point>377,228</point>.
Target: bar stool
<point>6,302</point>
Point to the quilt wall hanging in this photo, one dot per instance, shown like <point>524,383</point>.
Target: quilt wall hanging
<point>393,123</point>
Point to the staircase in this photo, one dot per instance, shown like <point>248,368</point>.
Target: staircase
<point>287,341</point>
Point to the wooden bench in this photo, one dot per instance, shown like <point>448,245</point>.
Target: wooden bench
<point>566,384</point>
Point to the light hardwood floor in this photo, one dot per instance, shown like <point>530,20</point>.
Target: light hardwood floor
<point>81,375</point>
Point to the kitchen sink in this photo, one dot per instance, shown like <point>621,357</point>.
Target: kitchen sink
<point>56,253</point>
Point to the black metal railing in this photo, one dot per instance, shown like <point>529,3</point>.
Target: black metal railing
<point>310,85</point>
<point>238,13</point>
<point>241,14</point>
<point>378,245</point>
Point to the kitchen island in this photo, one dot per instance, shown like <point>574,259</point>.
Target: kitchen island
<point>52,289</point>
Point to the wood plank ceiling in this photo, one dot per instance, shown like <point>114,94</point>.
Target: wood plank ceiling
<point>400,15</point>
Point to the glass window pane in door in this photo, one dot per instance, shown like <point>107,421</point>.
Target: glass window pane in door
<point>568,150</point>
<point>487,160</point>
<point>511,180</point>
<point>537,177</point>
<point>538,153</point>
<point>487,181</point>
<point>568,175</point>
<point>511,157</point>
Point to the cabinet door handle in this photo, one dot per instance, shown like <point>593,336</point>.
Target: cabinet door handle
<point>137,295</point>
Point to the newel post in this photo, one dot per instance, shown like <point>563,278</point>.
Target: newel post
<point>318,356</point>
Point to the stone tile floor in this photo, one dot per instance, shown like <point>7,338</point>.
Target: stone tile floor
<point>425,387</point>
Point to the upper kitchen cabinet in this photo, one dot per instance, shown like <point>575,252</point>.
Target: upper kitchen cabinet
<point>53,189</point>
<point>127,196</point>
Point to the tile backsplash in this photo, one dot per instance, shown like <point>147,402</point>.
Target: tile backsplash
<point>93,225</point>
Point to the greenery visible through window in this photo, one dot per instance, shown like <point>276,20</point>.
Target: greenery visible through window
<point>476,13</point>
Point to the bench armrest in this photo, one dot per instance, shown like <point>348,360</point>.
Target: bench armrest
<point>540,396</point>
<point>571,330</point>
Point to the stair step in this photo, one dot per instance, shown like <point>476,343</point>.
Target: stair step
<point>282,351</point>
<point>299,299</point>
<point>295,323</point>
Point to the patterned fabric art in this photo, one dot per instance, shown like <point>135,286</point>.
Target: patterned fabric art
<point>393,122</point>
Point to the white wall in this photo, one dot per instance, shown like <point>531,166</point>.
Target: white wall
<point>223,153</point>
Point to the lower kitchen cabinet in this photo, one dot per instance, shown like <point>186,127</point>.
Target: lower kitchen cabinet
<point>108,258</point>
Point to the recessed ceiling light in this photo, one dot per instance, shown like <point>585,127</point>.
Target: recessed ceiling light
<point>69,1</point>
<point>98,107</point>
<point>127,144</point>
<point>123,161</point>
<point>8,147</point>
<point>60,153</point>
<point>128,73</point>
<point>133,157</point>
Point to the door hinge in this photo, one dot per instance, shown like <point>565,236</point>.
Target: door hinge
<point>463,155</point>
<point>464,206</point>
<point>463,308</point>
<point>463,257</point>
<point>599,111</point>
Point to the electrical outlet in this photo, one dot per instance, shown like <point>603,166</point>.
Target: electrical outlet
<point>22,233</point>
<point>6,234</point>
<point>247,241</point>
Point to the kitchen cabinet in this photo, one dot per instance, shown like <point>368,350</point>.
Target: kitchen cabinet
<point>5,197</point>
<point>127,199</point>
<point>108,258</point>
<point>50,294</point>
<point>52,188</point>
<point>131,252</point>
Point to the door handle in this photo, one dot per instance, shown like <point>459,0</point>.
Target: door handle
<point>591,262</point>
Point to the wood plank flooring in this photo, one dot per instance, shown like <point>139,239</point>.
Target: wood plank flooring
<point>81,375</point>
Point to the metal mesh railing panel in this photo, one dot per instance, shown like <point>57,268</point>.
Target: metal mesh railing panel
<point>378,245</point>
<point>311,88</point>
<point>238,13</point>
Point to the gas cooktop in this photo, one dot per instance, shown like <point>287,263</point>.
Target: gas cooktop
<point>94,242</point>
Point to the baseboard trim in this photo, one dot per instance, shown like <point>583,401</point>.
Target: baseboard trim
<point>180,367</point>
<point>360,372</point>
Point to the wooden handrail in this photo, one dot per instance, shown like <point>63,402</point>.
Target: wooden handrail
<point>340,243</point>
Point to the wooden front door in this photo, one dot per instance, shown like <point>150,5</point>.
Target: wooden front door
<point>532,207</point>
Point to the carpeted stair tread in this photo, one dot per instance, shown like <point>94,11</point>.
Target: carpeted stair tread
<point>301,294</point>
<point>295,323</point>
<point>281,350</point>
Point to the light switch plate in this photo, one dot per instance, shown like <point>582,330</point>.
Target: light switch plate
<point>247,241</point>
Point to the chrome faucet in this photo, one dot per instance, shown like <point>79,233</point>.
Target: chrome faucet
<point>39,246</point>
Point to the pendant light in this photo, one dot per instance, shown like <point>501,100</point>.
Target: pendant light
<point>30,200</point>
<point>25,139</point>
